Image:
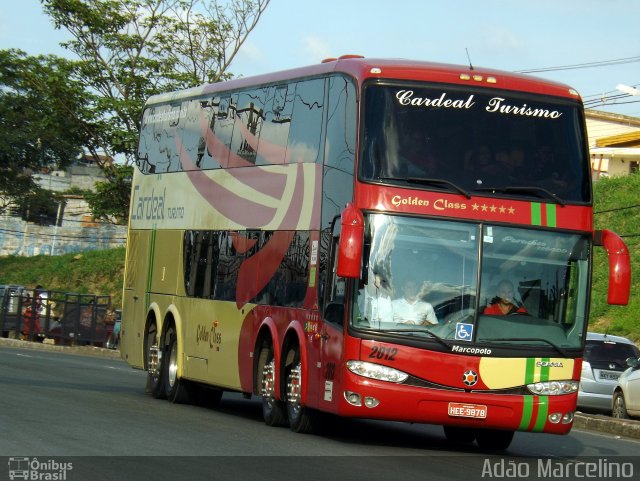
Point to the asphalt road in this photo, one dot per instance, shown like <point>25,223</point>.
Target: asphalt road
<point>94,413</point>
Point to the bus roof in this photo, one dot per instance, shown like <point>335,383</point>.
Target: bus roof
<point>362,68</point>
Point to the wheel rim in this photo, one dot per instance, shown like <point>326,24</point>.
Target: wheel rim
<point>268,383</point>
<point>618,407</point>
<point>153,359</point>
<point>293,389</point>
<point>173,364</point>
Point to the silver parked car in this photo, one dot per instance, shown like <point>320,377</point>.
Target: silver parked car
<point>605,359</point>
<point>626,394</point>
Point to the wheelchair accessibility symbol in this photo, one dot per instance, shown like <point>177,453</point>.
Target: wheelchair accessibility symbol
<point>464,332</point>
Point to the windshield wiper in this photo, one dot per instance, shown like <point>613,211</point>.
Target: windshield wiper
<point>524,190</point>
<point>419,331</point>
<point>426,181</point>
<point>523,339</point>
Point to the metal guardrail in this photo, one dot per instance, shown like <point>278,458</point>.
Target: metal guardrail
<point>63,318</point>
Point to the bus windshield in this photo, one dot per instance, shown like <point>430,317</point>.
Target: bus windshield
<point>471,282</point>
<point>475,141</point>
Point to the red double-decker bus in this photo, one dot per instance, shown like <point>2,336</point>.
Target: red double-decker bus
<point>370,238</point>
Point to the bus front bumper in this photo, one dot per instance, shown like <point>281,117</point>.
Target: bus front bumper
<point>368,398</point>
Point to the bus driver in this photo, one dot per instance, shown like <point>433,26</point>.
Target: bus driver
<point>409,309</point>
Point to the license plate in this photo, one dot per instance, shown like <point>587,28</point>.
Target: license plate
<point>478,411</point>
<point>610,376</point>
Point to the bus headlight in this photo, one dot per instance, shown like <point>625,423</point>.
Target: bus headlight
<point>376,371</point>
<point>553,388</point>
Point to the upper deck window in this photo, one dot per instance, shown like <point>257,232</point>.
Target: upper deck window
<point>483,141</point>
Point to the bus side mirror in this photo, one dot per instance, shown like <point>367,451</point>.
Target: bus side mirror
<point>351,242</point>
<point>619,266</point>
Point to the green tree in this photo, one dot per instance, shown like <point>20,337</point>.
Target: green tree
<point>40,206</point>
<point>129,50</point>
<point>45,120</point>
<point>110,201</point>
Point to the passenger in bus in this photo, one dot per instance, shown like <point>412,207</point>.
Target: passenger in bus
<point>377,301</point>
<point>481,162</point>
<point>505,302</point>
<point>410,309</point>
<point>417,157</point>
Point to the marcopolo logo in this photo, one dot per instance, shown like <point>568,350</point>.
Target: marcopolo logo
<point>35,469</point>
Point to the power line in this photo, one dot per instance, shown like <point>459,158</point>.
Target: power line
<point>617,209</point>
<point>602,63</point>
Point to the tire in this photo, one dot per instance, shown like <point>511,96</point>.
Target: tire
<point>619,406</point>
<point>301,419</point>
<point>273,410</point>
<point>458,435</point>
<point>177,390</point>
<point>494,439</point>
<point>153,363</point>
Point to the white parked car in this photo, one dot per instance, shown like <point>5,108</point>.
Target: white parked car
<point>605,359</point>
<point>626,394</point>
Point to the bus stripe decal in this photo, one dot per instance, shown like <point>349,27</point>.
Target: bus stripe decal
<point>544,370</point>
<point>527,411</point>
<point>536,214</point>
<point>530,371</point>
<point>543,410</point>
<point>152,249</point>
<point>551,215</point>
<point>546,215</point>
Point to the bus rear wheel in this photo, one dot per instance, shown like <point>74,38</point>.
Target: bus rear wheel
<point>301,418</point>
<point>494,439</point>
<point>177,390</point>
<point>273,410</point>
<point>153,359</point>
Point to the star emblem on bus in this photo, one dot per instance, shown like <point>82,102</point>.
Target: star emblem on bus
<point>470,377</point>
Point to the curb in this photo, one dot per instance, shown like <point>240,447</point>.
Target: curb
<point>79,350</point>
<point>588,422</point>
<point>605,424</point>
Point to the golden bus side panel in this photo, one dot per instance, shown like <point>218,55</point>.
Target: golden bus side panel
<point>211,340</point>
<point>139,247</point>
<point>167,273</point>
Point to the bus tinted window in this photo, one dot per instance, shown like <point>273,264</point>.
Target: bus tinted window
<point>340,144</point>
<point>229,261</point>
<point>482,141</point>
<point>223,130</point>
<point>272,145</point>
<point>212,262</point>
<point>249,117</point>
<point>202,124</point>
<point>197,116</point>
<point>305,133</point>
<point>157,151</point>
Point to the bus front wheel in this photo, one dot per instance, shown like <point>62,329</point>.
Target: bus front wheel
<point>494,439</point>
<point>459,435</point>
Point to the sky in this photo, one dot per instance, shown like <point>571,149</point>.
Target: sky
<point>512,35</point>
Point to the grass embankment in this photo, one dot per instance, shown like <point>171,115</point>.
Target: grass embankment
<point>90,272</point>
<point>101,272</point>
<point>617,207</point>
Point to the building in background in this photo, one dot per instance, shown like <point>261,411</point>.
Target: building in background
<point>614,143</point>
<point>72,229</point>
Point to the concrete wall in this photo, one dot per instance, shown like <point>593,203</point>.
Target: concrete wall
<point>20,238</point>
